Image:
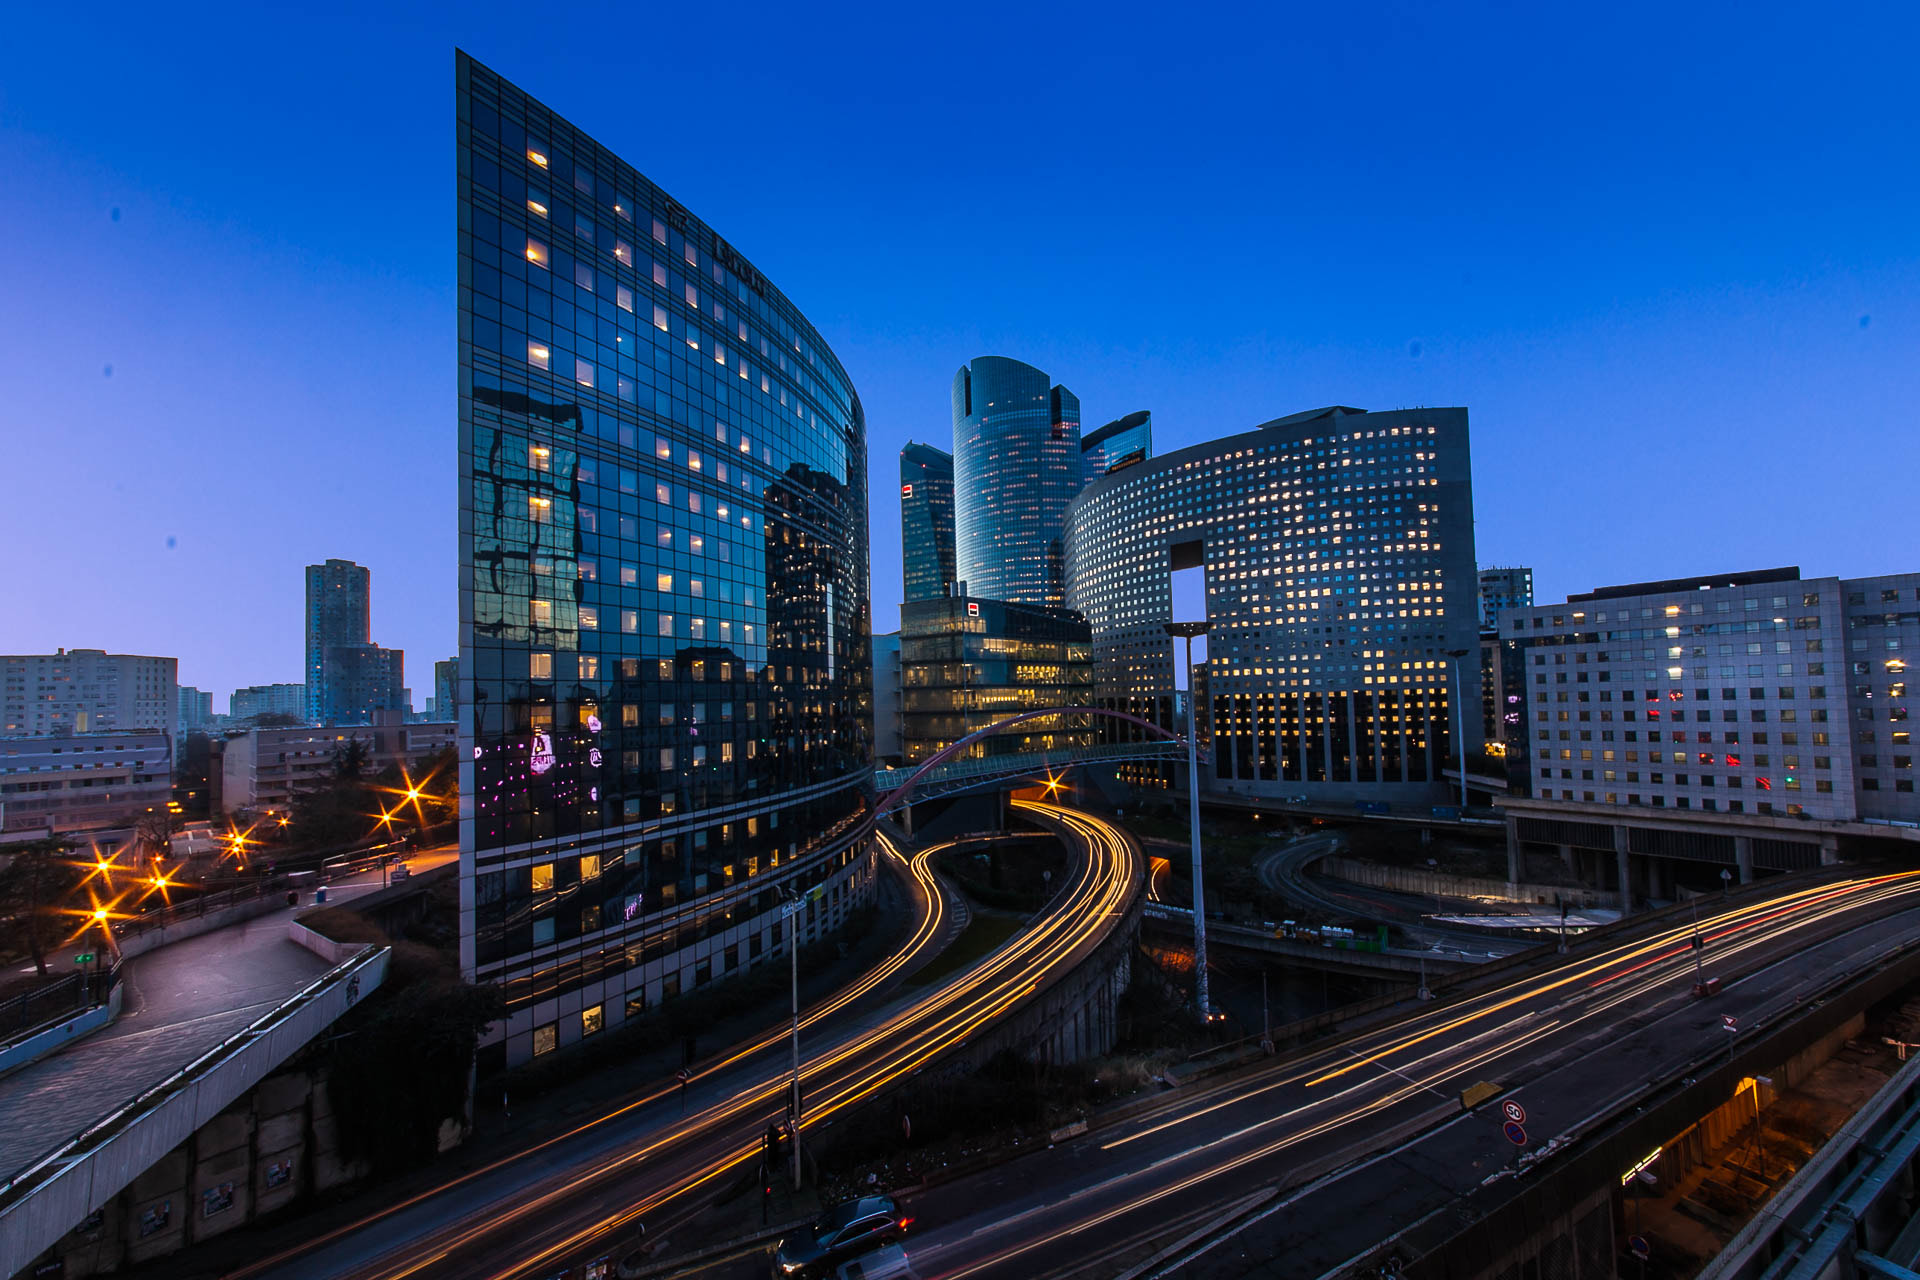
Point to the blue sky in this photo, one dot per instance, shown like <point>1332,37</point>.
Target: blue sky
<point>1668,256</point>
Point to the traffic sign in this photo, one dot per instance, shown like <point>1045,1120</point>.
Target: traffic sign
<point>1513,1111</point>
<point>1515,1134</point>
<point>85,957</point>
<point>1730,1022</point>
<point>683,1075</point>
<point>1639,1247</point>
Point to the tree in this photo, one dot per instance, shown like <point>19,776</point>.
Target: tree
<point>153,833</point>
<point>34,886</point>
<point>350,760</point>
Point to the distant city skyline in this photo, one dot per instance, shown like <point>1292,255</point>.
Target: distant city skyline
<point>1665,290</point>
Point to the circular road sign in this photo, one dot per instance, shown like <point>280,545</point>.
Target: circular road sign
<point>1515,1134</point>
<point>1513,1111</point>
<point>1639,1247</point>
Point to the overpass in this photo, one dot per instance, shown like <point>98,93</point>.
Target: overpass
<point>1381,1154</point>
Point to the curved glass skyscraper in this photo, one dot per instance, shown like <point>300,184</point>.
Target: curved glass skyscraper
<point>1016,466</point>
<point>664,626</point>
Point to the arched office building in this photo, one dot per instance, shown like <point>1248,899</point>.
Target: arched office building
<point>1337,547</point>
<point>664,666</point>
<point>1016,466</point>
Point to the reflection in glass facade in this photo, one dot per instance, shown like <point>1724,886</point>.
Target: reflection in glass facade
<point>1016,466</point>
<point>1338,552</point>
<point>1120,443</point>
<point>664,664</point>
<point>926,522</point>
<point>966,663</point>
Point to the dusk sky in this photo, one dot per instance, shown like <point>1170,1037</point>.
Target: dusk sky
<point>1667,256</point>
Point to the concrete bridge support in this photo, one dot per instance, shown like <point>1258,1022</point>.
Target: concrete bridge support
<point>1624,863</point>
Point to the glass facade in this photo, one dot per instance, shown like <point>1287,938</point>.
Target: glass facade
<point>966,663</point>
<point>1120,443</point>
<point>338,613</point>
<point>1016,466</point>
<point>926,522</point>
<point>1337,547</point>
<point>664,660</point>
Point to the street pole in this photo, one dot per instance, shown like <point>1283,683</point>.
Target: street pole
<point>1699,972</point>
<point>1187,631</point>
<point>793,1102</point>
<point>1459,727</point>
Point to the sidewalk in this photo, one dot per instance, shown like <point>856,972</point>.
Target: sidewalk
<point>180,1001</point>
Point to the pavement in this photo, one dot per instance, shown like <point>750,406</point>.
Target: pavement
<point>179,1001</point>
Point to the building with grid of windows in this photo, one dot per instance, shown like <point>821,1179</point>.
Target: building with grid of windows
<point>664,667</point>
<point>78,691</point>
<point>1016,466</point>
<point>339,612</point>
<point>1747,693</point>
<point>1120,443</point>
<point>966,664</point>
<point>86,781</point>
<point>1337,547</point>
<point>1508,588</point>
<point>926,522</point>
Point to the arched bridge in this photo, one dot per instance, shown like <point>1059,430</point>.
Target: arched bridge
<point>947,773</point>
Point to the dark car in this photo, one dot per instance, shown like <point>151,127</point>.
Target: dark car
<point>843,1232</point>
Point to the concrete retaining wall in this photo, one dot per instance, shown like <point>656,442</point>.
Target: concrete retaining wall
<point>58,1037</point>
<point>193,926</point>
<point>82,1179</point>
<point>1419,880</point>
<point>273,1147</point>
<point>321,945</point>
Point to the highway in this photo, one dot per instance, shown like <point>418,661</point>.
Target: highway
<point>582,1194</point>
<point>1573,1035</point>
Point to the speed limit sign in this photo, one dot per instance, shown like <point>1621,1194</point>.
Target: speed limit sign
<point>1513,1111</point>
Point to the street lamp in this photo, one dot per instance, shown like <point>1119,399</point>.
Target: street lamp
<point>791,913</point>
<point>1459,726</point>
<point>1187,631</point>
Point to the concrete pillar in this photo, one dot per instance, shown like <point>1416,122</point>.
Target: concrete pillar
<point>1743,857</point>
<point>1514,862</point>
<point>1566,858</point>
<point>1624,861</point>
<point>1829,850</point>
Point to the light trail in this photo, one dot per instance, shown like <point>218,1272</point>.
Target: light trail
<point>930,1027</point>
<point>1628,975</point>
<point>931,924</point>
<point>693,1152</point>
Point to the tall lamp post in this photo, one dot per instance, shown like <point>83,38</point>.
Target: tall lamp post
<point>1459,726</point>
<point>791,913</point>
<point>1187,631</point>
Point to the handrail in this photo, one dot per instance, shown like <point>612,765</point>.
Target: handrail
<point>143,1101</point>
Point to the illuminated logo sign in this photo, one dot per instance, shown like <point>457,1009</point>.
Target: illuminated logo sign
<point>906,491</point>
<point>973,610</point>
<point>541,756</point>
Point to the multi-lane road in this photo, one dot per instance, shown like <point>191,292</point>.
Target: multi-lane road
<point>586,1192</point>
<point>1607,1020</point>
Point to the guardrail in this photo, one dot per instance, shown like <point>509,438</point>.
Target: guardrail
<point>81,1174</point>
<point>34,1011</point>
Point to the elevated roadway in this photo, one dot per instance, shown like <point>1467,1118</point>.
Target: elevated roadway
<point>586,1193</point>
<point>1302,1167</point>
